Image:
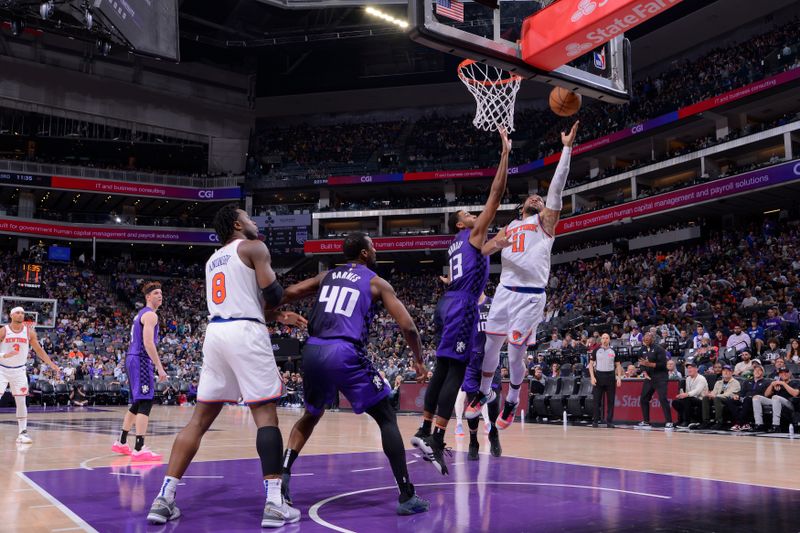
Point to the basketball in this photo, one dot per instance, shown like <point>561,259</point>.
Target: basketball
<point>563,102</point>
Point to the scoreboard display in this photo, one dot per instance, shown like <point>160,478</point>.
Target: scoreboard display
<point>31,276</point>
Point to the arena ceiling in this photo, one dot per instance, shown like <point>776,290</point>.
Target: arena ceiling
<point>299,50</point>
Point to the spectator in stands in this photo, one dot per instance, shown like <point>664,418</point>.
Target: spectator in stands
<point>697,341</point>
<point>394,396</point>
<point>672,370</point>
<point>780,364</point>
<point>78,397</point>
<point>724,395</point>
<point>635,338</point>
<point>713,374</point>
<point>631,372</point>
<point>706,353</point>
<point>771,353</point>
<point>739,340</point>
<point>793,354</point>
<point>555,370</point>
<point>538,380</point>
<point>191,394</point>
<point>688,403</point>
<point>720,340</point>
<point>745,366</point>
<point>555,342</point>
<point>684,341</point>
<point>778,395</point>
<point>791,320</point>
<point>749,300</point>
<point>773,325</point>
<point>757,387</point>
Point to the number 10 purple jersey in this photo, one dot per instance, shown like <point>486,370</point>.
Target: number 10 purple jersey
<point>343,307</point>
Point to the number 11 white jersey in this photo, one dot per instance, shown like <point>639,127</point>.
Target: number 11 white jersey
<point>232,289</point>
<point>526,263</point>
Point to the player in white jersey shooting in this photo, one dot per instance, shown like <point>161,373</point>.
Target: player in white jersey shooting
<point>16,340</point>
<point>518,306</point>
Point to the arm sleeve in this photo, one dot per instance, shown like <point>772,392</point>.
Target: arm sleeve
<point>559,181</point>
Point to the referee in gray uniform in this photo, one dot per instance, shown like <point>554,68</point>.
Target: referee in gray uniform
<point>604,370</point>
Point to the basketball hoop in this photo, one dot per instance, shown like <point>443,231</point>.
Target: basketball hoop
<point>495,91</point>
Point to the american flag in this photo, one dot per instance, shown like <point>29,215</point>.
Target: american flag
<point>452,9</point>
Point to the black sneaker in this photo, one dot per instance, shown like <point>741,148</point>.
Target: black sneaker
<point>760,428</point>
<point>595,424</point>
<point>417,441</point>
<point>472,455</point>
<point>610,425</point>
<point>413,505</point>
<point>717,427</point>
<point>285,478</point>
<point>433,451</point>
<point>773,429</point>
<point>642,425</point>
<point>494,444</point>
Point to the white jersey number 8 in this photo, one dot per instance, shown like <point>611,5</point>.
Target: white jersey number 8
<point>455,267</point>
<point>339,300</point>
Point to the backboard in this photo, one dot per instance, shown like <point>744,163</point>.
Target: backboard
<point>493,36</point>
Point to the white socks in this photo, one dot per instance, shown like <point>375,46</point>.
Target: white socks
<point>168,488</point>
<point>272,488</point>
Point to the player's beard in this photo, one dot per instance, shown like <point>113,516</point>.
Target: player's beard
<point>529,211</point>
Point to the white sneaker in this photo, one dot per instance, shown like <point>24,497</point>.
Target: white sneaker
<point>24,438</point>
<point>279,515</point>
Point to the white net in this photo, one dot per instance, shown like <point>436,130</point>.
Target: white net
<point>495,92</point>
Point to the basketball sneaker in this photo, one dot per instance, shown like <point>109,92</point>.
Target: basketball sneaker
<point>24,438</point>
<point>474,447</point>
<point>459,430</point>
<point>145,454</point>
<point>473,409</point>
<point>120,448</point>
<point>285,478</point>
<point>279,515</point>
<point>506,418</point>
<point>433,451</point>
<point>413,505</point>
<point>494,444</point>
<point>417,441</point>
<point>163,511</point>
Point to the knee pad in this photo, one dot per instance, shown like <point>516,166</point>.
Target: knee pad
<point>269,443</point>
<point>22,406</point>
<point>144,407</point>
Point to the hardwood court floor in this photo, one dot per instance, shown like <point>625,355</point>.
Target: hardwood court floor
<point>80,439</point>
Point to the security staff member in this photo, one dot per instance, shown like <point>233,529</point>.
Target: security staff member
<point>654,362</point>
<point>604,367</point>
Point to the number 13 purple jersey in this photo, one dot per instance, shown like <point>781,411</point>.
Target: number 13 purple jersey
<point>343,307</point>
<point>469,269</point>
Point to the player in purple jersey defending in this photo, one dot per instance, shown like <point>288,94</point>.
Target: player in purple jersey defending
<point>140,362</point>
<point>469,272</point>
<point>335,359</point>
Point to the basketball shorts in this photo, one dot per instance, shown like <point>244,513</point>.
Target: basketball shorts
<point>334,365</point>
<point>238,362</point>
<point>472,377</point>
<point>141,376</point>
<point>515,315</point>
<point>16,378</point>
<point>459,314</point>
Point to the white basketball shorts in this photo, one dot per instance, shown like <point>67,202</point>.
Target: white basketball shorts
<point>238,362</point>
<point>17,378</point>
<point>516,315</point>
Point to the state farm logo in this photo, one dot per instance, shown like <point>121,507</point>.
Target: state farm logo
<point>586,7</point>
<point>576,49</point>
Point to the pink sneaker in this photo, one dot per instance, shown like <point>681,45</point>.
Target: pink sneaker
<point>120,448</point>
<point>145,454</point>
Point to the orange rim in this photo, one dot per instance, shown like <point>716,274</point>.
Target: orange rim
<point>486,83</point>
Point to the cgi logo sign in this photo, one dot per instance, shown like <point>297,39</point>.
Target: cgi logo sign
<point>366,179</point>
<point>205,194</point>
<point>796,169</point>
<point>639,128</point>
<point>213,237</point>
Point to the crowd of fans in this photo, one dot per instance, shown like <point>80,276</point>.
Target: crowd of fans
<point>318,151</point>
<point>725,299</point>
